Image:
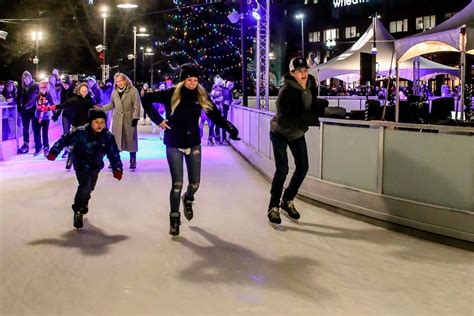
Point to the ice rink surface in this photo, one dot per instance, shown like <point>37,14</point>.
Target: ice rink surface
<point>227,261</point>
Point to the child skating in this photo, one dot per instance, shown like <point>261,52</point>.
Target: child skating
<point>91,143</point>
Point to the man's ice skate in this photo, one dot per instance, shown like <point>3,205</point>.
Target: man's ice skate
<point>289,210</point>
<point>210,142</point>
<point>188,208</point>
<point>174,223</point>
<point>274,215</point>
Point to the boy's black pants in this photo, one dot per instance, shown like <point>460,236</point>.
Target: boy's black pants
<point>87,181</point>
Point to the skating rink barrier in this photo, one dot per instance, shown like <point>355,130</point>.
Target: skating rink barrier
<point>420,176</point>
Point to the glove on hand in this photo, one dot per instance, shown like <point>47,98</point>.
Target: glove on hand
<point>51,156</point>
<point>134,122</point>
<point>118,174</point>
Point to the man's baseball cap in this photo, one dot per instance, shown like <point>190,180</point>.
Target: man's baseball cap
<point>298,63</point>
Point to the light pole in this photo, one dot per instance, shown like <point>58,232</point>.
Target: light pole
<point>104,44</point>
<point>149,52</point>
<point>374,28</point>
<point>300,16</point>
<point>37,36</point>
<point>130,5</point>
<point>142,33</point>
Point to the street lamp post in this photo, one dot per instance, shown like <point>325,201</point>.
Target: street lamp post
<point>149,52</point>
<point>374,28</point>
<point>130,5</point>
<point>143,61</point>
<point>104,44</point>
<point>37,36</point>
<point>142,33</point>
<point>300,16</point>
<point>134,54</point>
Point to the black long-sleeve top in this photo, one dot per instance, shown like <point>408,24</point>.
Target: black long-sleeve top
<point>184,122</point>
<point>80,107</point>
<point>66,94</point>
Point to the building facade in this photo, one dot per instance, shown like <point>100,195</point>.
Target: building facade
<point>332,26</point>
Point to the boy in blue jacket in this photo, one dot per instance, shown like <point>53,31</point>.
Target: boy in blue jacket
<point>91,143</point>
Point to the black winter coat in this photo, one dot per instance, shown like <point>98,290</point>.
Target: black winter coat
<point>80,107</point>
<point>70,111</point>
<point>90,149</point>
<point>292,117</point>
<point>27,97</point>
<point>184,122</point>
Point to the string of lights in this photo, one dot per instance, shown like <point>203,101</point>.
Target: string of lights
<point>204,36</point>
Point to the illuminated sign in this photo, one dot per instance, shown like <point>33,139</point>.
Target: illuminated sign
<point>347,3</point>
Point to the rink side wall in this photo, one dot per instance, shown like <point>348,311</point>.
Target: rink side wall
<point>387,171</point>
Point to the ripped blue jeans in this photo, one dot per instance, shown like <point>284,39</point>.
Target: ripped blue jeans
<point>193,164</point>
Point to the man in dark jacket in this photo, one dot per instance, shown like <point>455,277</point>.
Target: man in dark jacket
<point>27,98</point>
<point>91,143</point>
<point>297,108</point>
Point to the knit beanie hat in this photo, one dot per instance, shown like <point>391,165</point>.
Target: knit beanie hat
<point>97,113</point>
<point>188,71</point>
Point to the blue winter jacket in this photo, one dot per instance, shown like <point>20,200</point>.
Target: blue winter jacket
<point>90,149</point>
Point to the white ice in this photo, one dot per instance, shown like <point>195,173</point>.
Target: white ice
<point>227,261</point>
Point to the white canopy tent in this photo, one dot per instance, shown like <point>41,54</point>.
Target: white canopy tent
<point>346,67</point>
<point>455,34</point>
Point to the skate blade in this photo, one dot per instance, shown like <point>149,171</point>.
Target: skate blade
<point>285,213</point>
<point>274,225</point>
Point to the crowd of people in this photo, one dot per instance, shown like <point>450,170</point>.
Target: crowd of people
<point>84,108</point>
<point>31,99</point>
<point>179,110</point>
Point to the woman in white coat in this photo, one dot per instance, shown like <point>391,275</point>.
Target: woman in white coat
<point>125,101</point>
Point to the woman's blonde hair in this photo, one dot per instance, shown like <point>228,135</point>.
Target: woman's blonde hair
<point>79,86</point>
<point>128,82</point>
<point>201,96</point>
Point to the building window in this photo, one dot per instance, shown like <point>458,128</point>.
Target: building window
<point>331,34</point>
<point>425,22</point>
<point>351,32</point>
<point>399,26</point>
<point>314,37</point>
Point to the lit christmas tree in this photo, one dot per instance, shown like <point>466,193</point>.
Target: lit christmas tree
<point>202,34</point>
